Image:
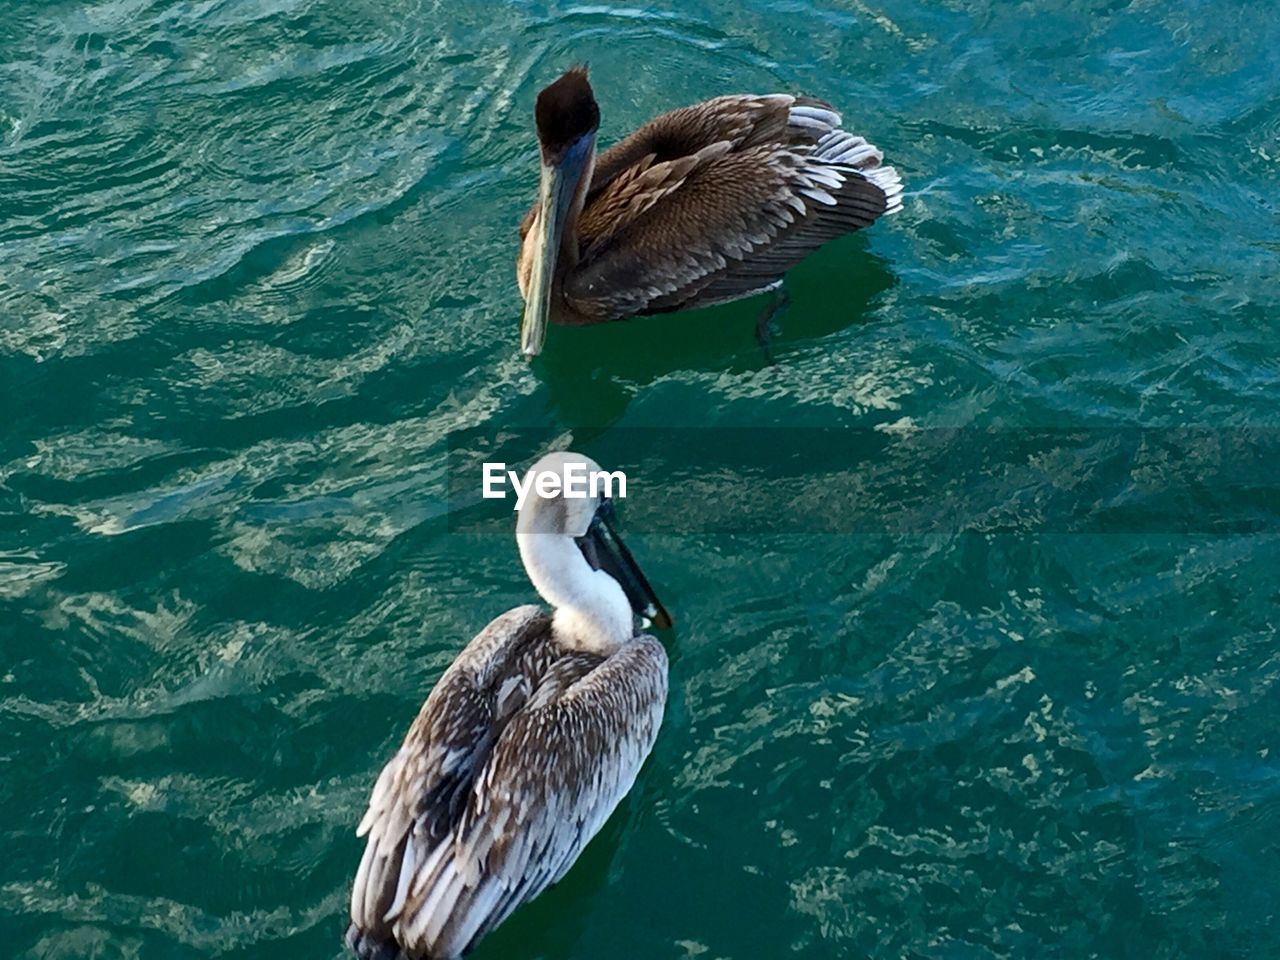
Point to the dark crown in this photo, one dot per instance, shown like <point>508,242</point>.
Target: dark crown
<point>566,110</point>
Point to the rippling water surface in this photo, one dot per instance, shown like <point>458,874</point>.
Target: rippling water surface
<point>255,269</point>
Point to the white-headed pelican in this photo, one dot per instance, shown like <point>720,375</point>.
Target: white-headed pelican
<point>526,744</point>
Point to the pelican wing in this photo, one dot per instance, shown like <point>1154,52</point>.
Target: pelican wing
<point>424,787</point>
<point>742,120</point>
<point>554,775</point>
<point>676,219</point>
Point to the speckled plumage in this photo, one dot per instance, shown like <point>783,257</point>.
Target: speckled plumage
<point>520,753</point>
<point>713,202</point>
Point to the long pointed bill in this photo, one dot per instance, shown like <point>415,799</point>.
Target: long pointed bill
<point>557,187</point>
<point>605,551</point>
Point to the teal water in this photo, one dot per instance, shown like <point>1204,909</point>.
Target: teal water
<point>256,268</point>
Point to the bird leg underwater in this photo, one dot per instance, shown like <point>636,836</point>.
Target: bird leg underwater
<point>779,301</point>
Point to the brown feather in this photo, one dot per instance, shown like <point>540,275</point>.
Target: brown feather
<point>424,788</point>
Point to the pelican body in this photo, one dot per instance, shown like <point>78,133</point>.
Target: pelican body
<point>702,205</point>
<point>526,744</point>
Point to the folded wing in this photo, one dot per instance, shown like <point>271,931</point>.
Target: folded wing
<point>423,790</point>
<point>717,201</point>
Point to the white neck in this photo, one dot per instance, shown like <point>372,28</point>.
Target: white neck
<point>591,611</point>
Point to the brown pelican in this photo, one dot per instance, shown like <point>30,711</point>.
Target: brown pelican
<point>523,748</point>
<point>701,205</point>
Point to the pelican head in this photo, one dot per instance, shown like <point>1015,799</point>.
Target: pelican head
<point>578,563</point>
<point>567,118</point>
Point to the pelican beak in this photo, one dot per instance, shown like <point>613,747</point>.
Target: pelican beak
<point>559,183</point>
<point>605,551</point>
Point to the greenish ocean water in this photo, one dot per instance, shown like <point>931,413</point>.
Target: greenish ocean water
<point>976,646</point>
